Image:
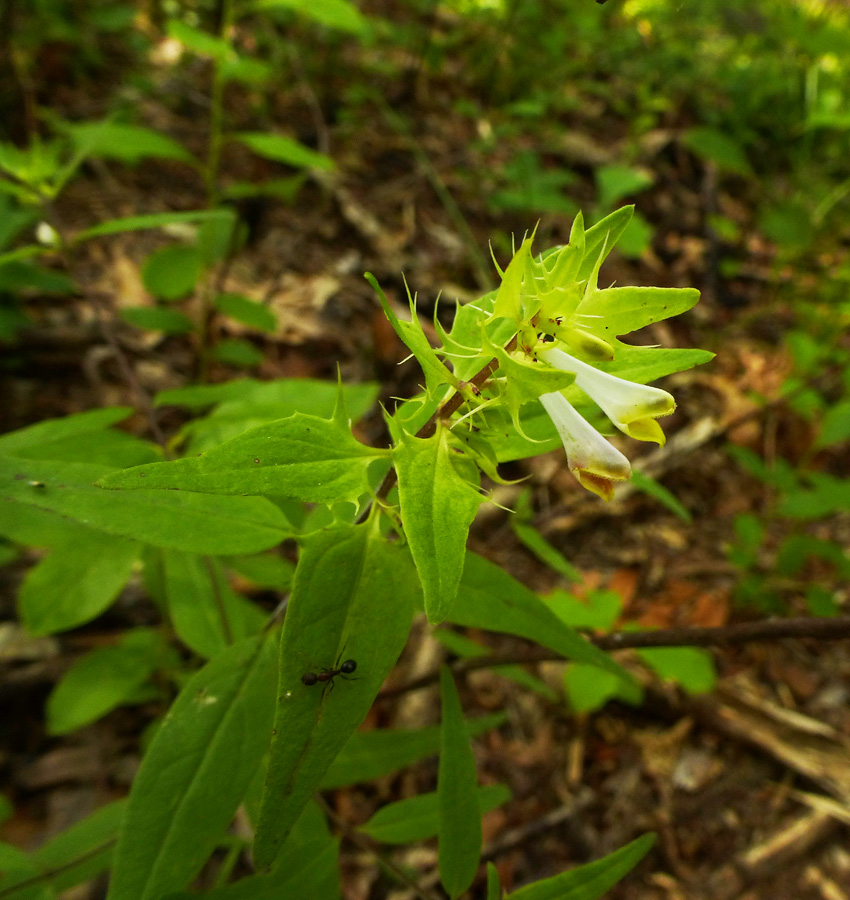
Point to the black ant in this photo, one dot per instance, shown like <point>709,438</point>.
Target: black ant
<point>327,675</point>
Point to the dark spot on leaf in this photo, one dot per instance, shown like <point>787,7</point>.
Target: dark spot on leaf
<point>143,474</point>
<point>20,477</point>
<point>256,460</point>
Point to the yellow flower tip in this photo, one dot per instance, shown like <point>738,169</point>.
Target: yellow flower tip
<point>646,430</point>
<point>598,484</point>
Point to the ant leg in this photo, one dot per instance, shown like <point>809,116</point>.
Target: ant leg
<point>339,656</point>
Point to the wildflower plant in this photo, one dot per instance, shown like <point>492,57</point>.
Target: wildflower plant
<point>381,532</point>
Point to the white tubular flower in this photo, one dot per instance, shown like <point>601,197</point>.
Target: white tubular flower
<point>633,408</point>
<point>594,462</point>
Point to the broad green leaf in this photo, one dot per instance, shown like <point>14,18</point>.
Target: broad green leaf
<point>437,508</point>
<point>102,680</point>
<point>237,352</point>
<point>598,611</point>
<point>248,312</point>
<point>690,667</point>
<point>317,460</point>
<point>621,310</point>
<point>158,318</point>
<point>265,569</point>
<point>18,868</point>
<point>200,42</point>
<point>196,772</point>
<point>76,581</point>
<point>645,364</point>
<point>38,527</point>
<point>372,754</point>
<point>460,836</point>
<point>589,688</point>
<point>617,181</point>
<point>171,273</point>
<point>109,448</point>
<point>827,495</point>
<point>352,596</point>
<point>417,818</point>
<point>717,147</point>
<point>339,14</point>
<point>153,220</point>
<point>307,867</point>
<point>196,523</point>
<point>490,598</point>
<point>84,850</point>
<point>20,277</point>
<point>128,143</point>
<point>835,426</point>
<point>36,436</point>
<point>207,614</point>
<point>466,649</point>
<point>590,881</point>
<point>287,150</point>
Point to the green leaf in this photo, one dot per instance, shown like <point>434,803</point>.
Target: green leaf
<point>128,143</point>
<point>690,667</point>
<point>616,182</point>
<point>158,318</point>
<point>598,611</point>
<point>372,754</point>
<point>36,436</point>
<point>196,772</point>
<point>102,680</point>
<point>76,581</point>
<point>207,614</point>
<point>645,364</point>
<point>621,310</point>
<point>657,491</point>
<point>508,302</point>
<point>835,426</point>
<point>599,240</point>
<point>84,850</point>
<point>494,886</point>
<point>237,352</point>
<point>76,855</point>
<point>413,337</point>
<point>153,220</point>
<point>466,649</point>
<point>171,273</point>
<point>248,312</point>
<point>317,460</point>
<point>353,594</point>
<point>588,688</point>
<point>716,146</point>
<point>338,14</point>
<point>307,867</point>
<point>282,149</point>
<point>590,881</point>
<point>19,277</point>
<point>543,550</point>
<point>490,598</point>
<point>417,818</point>
<point>196,523</point>
<point>110,448</point>
<point>460,836</point>
<point>200,42</point>
<point>266,570</point>
<point>437,508</point>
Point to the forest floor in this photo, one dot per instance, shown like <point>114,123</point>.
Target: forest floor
<point>723,777</point>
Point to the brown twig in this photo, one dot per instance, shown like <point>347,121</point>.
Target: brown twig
<point>724,636</point>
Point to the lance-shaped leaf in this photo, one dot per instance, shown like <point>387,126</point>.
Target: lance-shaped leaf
<point>76,581</point>
<point>414,338</point>
<point>36,436</point>
<point>600,239</point>
<point>196,523</point>
<point>460,834</point>
<point>196,772</point>
<point>352,598</point>
<point>620,310</point>
<point>437,508</point>
<point>302,456</point>
<point>590,881</point>
<point>508,302</point>
<point>490,598</point>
